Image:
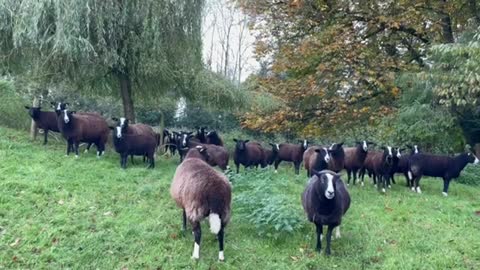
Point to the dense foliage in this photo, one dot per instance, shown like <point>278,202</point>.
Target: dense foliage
<point>334,64</point>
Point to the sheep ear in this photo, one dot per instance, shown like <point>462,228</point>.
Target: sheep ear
<point>27,107</point>
<point>114,119</point>
<point>315,172</point>
<point>401,149</point>
<point>73,112</point>
<point>357,142</point>
<point>68,104</point>
<point>341,144</point>
<point>317,150</point>
<point>383,148</point>
<point>112,128</point>
<point>271,144</point>
<point>53,103</point>
<point>246,141</point>
<point>235,140</point>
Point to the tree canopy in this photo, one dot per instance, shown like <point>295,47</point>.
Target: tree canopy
<point>335,62</point>
<point>140,47</point>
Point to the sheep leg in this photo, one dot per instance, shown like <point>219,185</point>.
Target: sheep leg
<point>123,160</point>
<point>131,159</point>
<point>417,184</point>
<point>238,167</point>
<point>184,222</point>
<point>319,236</point>
<point>354,172</point>
<point>349,175</point>
<point>45,133</point>
<point>329,239</point>
<point>220,236</point>
<point>407,180</point>
<point>276,165</point>
<point>77,144</point>
<point>297,168</point>
<point>446,183</point>
<point>393,179</point>
<point>197,232</point>
<point>152,161</point>
<point>361,174</point>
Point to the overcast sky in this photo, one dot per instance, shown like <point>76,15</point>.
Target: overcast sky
<point>220,16</point>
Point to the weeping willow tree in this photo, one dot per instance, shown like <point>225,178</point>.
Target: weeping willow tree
<point>130,48</point>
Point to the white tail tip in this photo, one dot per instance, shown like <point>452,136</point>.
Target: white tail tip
<point>215,223</point>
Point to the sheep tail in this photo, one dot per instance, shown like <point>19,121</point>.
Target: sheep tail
<point>215,223</point>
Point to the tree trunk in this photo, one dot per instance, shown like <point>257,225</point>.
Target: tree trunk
<point>446,21</point>
<point>33,125</point>
<point>126,92</point>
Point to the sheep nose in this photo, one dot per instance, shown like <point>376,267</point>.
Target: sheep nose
<point>330,192</point>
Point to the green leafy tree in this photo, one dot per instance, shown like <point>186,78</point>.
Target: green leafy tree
<point>141,48</point>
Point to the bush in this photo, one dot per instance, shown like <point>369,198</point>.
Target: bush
<point>469,176</point>
<point>12,111</point>
<point>272,215</point>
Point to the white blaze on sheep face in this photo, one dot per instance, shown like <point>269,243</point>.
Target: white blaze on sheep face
<point>390,151</point>
<point>122,121</point>
<point>415,149</point>
<point>119,132</point>
<point>65,117</point>
<point>278,146</point>
<point>329,192</point>
<point>365,146</point>
<point>327,155</point>
<point>59,107</point>
<point>184,141</point>
<point>305,144</point>
<point>331,147</point>
<point>476,160</point>
<point>399,155</point>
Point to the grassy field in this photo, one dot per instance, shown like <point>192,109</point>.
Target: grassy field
<point>61,212</point>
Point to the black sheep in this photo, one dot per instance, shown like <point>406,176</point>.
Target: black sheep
<point>291,153</point>
<point>249,154</point>
<point>134,139</point>
<point>214,138</point>
<point>44,120</point>
<point>438,166</point>
<point>325,201</point>
<point>83,128</point>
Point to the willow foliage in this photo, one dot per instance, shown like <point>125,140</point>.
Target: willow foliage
<point>158,42</point>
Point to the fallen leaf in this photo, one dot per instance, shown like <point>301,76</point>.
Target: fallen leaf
<point>14,244</point>
<point>107,213</point>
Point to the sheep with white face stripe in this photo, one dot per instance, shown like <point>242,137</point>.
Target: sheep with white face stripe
<point>438,166</point>
<point>201,192</point>
<point>354,159</point>
<point>325,201</point>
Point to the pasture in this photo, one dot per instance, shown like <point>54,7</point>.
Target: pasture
<point>61,212</point>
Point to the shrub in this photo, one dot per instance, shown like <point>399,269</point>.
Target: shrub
<point>12,112</point>
<point>271,215</point>
<point>470,175</point>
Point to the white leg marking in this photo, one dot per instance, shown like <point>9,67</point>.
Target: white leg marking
<point>276,171</point>
<point>196,251</point>
<point>362,184</point>
<point>375,185</point>
<point>86,151</point>
<point>321,237</point>
<point>76,156</point>
<point>445,194</point>
<point>419,191</point>
<point>389,186</point>
<point>413,189</point>
<point>337,233</point>
<point>221,257</point>
<point>383,190</point>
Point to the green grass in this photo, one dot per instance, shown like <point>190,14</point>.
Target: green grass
<point>61,212</point>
